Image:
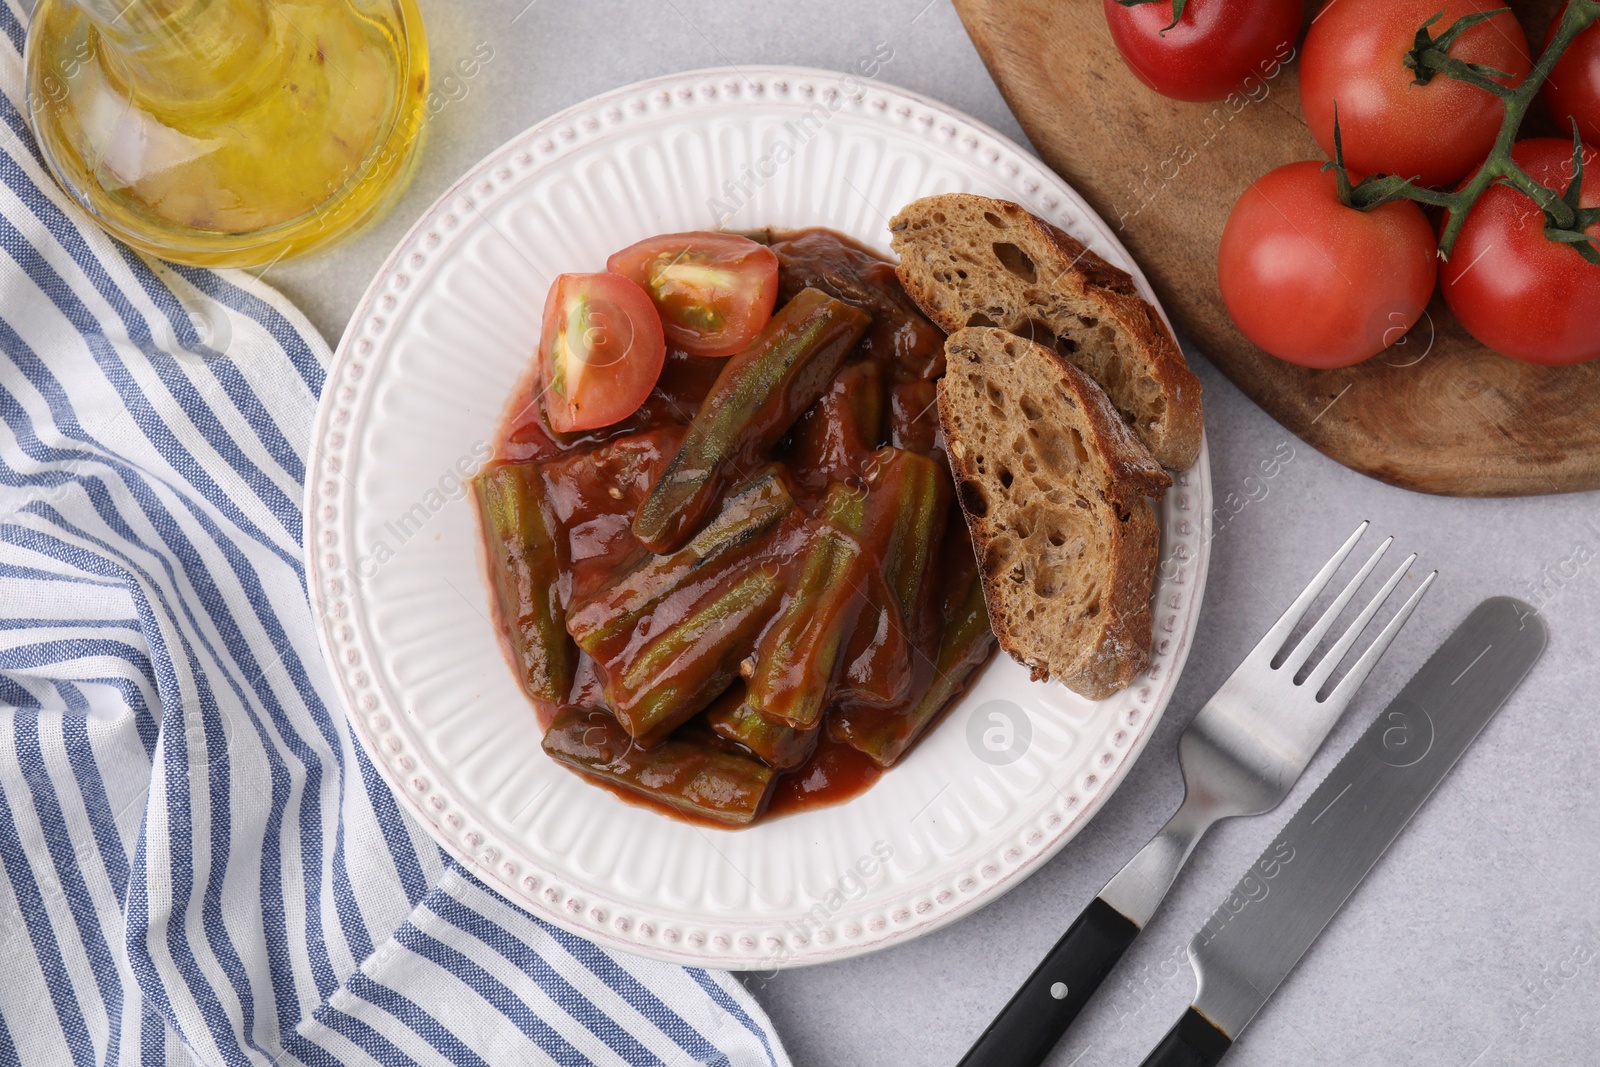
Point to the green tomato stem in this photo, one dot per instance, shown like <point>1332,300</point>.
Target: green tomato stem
<point>1499,166</point>
<point>1177,9</point>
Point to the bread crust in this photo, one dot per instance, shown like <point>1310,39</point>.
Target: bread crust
<point>1115,467</point>
<point>1146,377</point>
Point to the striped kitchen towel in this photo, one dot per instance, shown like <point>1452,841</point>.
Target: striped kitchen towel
<point>198,864</point>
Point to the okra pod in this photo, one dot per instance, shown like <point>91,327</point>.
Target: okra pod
<point>610,479</point>
<point>779,745</point>
<point>912,497</point>
<point>525,563</point>
<point>914,416</point>
<point>796,660</point>
<point>901,337</point>
<point>746,517</point>
<point>908,502</point>
<point>880,664</point>
<point>700,780</point>
<point>833,441</point>
<point>593,496</point>
<point>862,393</point>
<point>756,398</point>
<point>884,734</point>
<point>657,687</point>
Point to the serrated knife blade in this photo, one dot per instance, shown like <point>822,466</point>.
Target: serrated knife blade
<point>1252,942</point>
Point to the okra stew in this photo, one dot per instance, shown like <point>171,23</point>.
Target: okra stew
<point>723,547</point>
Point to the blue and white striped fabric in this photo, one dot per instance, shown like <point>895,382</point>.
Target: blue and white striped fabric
<point>197,863</point>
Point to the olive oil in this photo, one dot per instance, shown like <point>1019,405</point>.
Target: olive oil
<point>228,132</point>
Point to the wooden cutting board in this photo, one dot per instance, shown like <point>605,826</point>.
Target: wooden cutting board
<point>1437,412</point>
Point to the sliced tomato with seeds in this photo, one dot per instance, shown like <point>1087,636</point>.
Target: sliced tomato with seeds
<point>714,291</point>
<point>600,353</point>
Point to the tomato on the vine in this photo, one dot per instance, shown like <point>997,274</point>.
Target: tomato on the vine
<point>600,353</point>
<point>1214,48</point>
<point>1354,56</point>
<point>1514,289</point>
<point>715,291</point>
<point>1573,88</point>
<point>1317,283</point>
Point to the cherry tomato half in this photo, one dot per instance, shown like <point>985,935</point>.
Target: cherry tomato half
<point>1215,47</point>
<point>600,353</point>
<point>1517,291</point>
<point>1436,133</point>
<point>1573,88</point>
<point>1317,283</point>
<point>715,291</point>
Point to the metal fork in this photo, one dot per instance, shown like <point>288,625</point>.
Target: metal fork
<point>1241,755</point>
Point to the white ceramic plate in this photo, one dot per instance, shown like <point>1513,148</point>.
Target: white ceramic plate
<point>424,372</point>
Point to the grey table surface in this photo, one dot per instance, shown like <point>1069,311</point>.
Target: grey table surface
<point>1476,941</point>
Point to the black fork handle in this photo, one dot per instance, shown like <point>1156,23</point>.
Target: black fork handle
<point>1027,1028</point>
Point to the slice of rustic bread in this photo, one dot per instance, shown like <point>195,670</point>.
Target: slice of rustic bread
<point>971,261</point>
<point>1053,484</point>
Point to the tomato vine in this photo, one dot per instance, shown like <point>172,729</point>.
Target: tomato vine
<point>1565,220</point>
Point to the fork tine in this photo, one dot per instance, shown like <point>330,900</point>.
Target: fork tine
<point>1308,644</point>
<point>1273,643</point>
<point>1351,682</point>
<point>1330,662</point>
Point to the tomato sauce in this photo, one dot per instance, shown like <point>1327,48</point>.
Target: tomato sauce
<point>705,615</point>
<point>834,774</point>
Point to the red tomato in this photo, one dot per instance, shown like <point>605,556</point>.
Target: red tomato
<point>1515,290</point>
<point>1573,88</point>
<point>1215,47</point>
<point>1435,133</point>
<point>600,353</point>
<point>714,291</point>
<point>1317,283</point>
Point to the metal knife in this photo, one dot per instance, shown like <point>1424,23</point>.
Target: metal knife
<point>1256,937</point>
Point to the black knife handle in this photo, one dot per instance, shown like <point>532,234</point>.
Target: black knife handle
<point>1025,1031</point>
<point>1192,1042</point>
